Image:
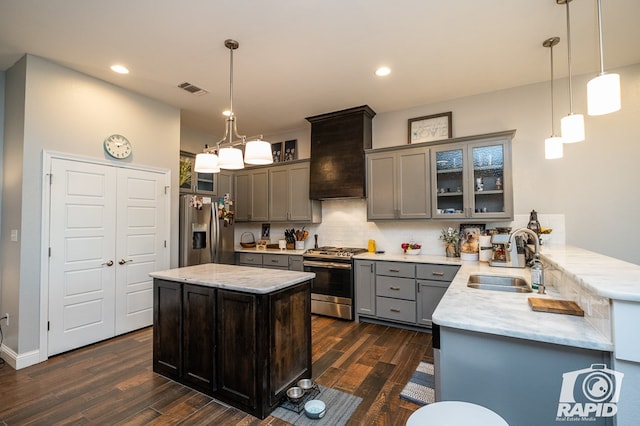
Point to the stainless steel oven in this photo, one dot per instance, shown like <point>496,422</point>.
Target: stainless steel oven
<point>332,289</point>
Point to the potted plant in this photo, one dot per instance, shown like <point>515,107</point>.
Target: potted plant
<point>451,238</point>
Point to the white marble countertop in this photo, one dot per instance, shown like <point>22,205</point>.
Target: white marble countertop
<point>501,313</point>
<point>231,277</point>
<point>606,276</point>
<point>240,249</point>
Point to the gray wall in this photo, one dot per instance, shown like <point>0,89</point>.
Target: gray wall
<point>594,186</point>
<point>50,107</point>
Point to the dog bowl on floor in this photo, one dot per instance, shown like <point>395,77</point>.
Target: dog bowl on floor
<point>315,409</point>
<point>295,393</point>
<point>305,384</point>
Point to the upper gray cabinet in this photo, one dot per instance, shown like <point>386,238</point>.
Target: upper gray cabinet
<point>472,179</point>
<point>252,189</point>
<point>193,182</point>
<point>398,184</point>
<point>289,194</point>
<point>464,178</point>
<point>276,194</point>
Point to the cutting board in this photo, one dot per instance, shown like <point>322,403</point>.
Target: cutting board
<point>555,306</point>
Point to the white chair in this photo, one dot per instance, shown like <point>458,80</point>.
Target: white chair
<point>455,413</point>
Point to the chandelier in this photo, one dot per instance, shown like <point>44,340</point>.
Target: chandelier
<point>226,154</point>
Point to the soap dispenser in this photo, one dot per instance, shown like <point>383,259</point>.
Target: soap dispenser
<point>537,276</point>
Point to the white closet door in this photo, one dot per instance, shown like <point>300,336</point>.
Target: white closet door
<point>140,245</point>
<point>82,264</point>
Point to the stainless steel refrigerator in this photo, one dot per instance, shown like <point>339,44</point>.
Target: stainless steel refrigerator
<point>206,230</point>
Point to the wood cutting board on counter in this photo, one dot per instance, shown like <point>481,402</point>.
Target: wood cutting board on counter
<point>555,306</point>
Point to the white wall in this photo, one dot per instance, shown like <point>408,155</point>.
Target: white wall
<point>66,111</point>
<point>593,189</point>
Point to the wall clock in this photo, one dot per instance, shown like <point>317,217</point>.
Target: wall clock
<point>118,146</point>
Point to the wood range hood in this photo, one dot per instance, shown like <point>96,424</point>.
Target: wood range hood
<point>338,142</point>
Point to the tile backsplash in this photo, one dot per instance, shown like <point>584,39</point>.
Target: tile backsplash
<point>344,223</point>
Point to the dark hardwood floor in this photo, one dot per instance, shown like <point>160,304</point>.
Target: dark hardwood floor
<point>112,382</point>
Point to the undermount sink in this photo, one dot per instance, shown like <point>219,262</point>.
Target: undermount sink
<point>499,283</point>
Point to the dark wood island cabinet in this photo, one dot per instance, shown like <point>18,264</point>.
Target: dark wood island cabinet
<point>242,344</point>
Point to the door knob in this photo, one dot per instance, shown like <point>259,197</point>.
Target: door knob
<point>109,263</point>
<point>122,261</point>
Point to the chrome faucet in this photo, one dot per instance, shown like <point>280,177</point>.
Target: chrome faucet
<point>532,234</point>
<point>513,259</point>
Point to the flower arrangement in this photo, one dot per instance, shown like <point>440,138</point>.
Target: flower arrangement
<point>450,236</point>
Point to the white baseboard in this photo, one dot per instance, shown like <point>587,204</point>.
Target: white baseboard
<point>19,361</point>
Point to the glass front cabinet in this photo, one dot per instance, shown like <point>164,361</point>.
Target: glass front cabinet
<point>191,181</point>
<point>472,179</point>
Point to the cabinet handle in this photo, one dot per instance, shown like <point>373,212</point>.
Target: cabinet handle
<point>394,310</point>
<point>274,260</point>
<point>394,270</point>
<point>438,274</point>
<point>249,259</point>
<point>394,288</point>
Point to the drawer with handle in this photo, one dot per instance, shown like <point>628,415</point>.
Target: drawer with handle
<point>275,261</point>
<point>396,309</point>
<point>398,288</point>
<point>396,269</point>
<point>436,272</point>
<point>250,259</point>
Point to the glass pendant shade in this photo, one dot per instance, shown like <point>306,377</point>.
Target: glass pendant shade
<point>553,148</point>
<point>572,127</point>
<point>603,94</point>
<point>230,158</point>
<point>258,152</point>
<point>206,163</point>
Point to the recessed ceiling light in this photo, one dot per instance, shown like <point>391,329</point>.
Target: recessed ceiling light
<point>383,71</point>
<point>120,69</point>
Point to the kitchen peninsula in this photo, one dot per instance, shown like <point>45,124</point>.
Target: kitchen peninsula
<point>239,336</point>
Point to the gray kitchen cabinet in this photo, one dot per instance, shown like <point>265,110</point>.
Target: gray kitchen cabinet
<point>432,282</point>
<point>398,184</point>
<point>225,184</point>
<point>400,293</point>
<point>252,189</point>
<point>289,194</point>
<point>472,178</point>
<point>192,182</point>
<point>270,260</point>
<point>396,291</point>
<point>365,287</point>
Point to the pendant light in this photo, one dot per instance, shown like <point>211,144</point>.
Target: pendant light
<point>603,91</point>
<point>228,155</point>
<point>206,162</point>
<point>553,144</point>
<point>572,125</point>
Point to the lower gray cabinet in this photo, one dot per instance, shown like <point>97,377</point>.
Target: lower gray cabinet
<point>400,292</point>
<point>365,287</point>
<point>269,260</point>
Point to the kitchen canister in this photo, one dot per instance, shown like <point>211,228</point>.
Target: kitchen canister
<point>485,248</point>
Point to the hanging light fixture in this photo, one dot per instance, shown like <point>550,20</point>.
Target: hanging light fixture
<point>228,155</point>
<point>572,125</point>
<point>603,91</point>
<point>553,144</point>
<point>206,162</point>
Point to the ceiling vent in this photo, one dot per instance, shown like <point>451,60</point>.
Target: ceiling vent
<point>192,88</point>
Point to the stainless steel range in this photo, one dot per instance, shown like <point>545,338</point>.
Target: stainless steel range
<point>332,290</point>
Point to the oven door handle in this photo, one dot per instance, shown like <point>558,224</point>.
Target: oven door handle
<point>328,265</point>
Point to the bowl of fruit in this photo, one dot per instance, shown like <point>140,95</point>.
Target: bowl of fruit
<point>411,248</point>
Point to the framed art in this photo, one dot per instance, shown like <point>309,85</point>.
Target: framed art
<point>470,237</point>
<point>430,128</point>
<point>290,152</point>
<point>276,151</point>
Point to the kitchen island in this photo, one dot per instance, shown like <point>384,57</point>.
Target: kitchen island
<point>239,335</point>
